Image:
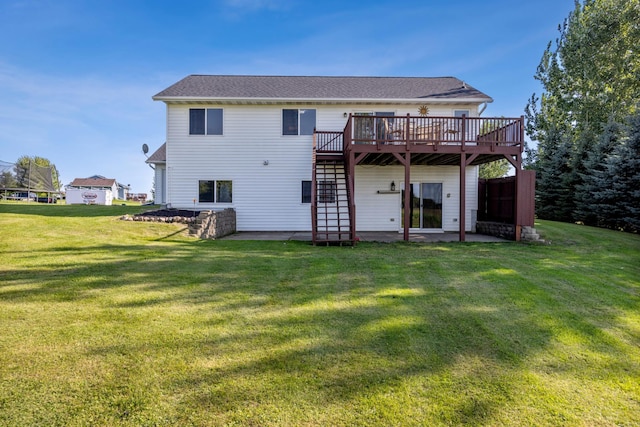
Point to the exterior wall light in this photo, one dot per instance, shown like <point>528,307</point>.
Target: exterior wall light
<point>393,186</point>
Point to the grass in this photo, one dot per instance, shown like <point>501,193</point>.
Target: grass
<point>108,322</point>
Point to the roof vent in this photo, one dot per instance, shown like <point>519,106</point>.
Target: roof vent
<point>464,85</point>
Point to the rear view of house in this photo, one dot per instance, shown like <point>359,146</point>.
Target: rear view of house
<point>332,155</point>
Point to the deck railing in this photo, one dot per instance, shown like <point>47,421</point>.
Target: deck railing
<point>403,130</point>
<point>329,141</point>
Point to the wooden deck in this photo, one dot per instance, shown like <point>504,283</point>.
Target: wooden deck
<point>417,140</point>
<point>431,140</point>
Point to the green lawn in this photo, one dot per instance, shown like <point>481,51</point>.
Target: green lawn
<point>108,322</point>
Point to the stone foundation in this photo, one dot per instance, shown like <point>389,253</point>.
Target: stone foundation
<point>497,229</point>
<point>213,224</point>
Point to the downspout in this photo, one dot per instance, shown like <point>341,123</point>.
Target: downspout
<point>484,107</point>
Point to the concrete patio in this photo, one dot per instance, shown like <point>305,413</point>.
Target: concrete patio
<point>365,236</point>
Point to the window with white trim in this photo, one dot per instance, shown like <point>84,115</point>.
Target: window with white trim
<point>205,121</point>
<point>458,129</point>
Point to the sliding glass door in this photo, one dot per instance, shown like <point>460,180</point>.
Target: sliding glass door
<point>425,206</point>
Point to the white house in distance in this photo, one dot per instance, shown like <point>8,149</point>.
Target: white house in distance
<point>93,190</point>
<point>334,155</point>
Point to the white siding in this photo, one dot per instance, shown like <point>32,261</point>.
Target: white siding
<point>382,211</point>
<point>264,197</point>
<point>268,197</point>
<point>160,183</point>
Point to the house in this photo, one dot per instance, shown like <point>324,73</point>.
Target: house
<point>334,155</point>
<point>99,182</point>
<point>123,191</point>
<point>93,190</point>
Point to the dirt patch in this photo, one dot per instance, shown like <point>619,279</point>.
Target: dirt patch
<point>168,213</point>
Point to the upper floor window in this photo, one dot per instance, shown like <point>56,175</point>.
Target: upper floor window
<point>205,121</point>
<point>298,122</point>
<point>460,113</point>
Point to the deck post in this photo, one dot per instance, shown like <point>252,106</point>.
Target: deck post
<point>407,133</point>
<point>463,133</point>
<point>516,215</point>
<point>407,194</point>
<point>463,195</point>
<point>352,189</point>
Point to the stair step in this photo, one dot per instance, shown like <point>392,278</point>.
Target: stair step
<point>332,216</point>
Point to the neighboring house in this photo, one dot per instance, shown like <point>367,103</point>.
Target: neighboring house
<point>95,182</point>
<point>93,190</point>
<point>332,154</point>
<point>123,191</point>
<point>120,191</point>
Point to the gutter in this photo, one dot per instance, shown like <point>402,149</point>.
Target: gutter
<point>262,100</point>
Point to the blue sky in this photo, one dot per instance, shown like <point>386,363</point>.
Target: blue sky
<point>77,77</point>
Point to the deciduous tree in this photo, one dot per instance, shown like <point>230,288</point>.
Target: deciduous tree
<point>589,76</point>
<point>37,173</point>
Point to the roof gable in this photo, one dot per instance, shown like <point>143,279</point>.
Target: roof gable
<point>93,182</point>
<point>321,88</point>
<point>159,156</point>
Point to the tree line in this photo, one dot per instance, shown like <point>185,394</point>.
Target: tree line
<point>586,122</point>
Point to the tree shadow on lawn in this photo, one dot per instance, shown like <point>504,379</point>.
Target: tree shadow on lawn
<point>285,324</point>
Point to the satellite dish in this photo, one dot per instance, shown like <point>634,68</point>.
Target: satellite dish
<point>145,148</point>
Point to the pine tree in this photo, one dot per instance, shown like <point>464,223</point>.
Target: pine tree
<point>623,167</point>
<point>592,173</point>
<point>589,76</point>
<point>590,201</point>
<point>554,194</point>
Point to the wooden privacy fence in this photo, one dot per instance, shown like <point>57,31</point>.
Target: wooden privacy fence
<point>497,199</point>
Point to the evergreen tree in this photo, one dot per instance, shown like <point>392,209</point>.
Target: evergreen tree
<point>590,75</point>
<point>590,200</point>
<point>554,194</point>
<point>622,180</point>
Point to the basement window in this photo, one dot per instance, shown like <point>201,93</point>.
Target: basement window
<point>215,191</point>
<point>327,191</point>
<point>306,191</point>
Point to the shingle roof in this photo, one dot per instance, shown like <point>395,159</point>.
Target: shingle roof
<point>321,88</point>
<point>92,182</point>
<point>159,156</point>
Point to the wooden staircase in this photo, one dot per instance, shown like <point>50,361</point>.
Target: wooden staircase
<point>332,206</point>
